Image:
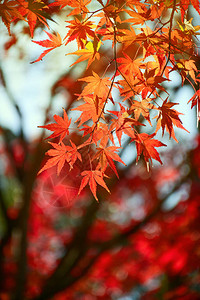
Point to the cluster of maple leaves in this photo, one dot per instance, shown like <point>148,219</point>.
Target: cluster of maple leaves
<point>131,241</point>
<point>162,39</point>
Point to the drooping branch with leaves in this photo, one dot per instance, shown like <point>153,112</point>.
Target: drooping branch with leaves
<point>149,40</point>
<point>57,239</point>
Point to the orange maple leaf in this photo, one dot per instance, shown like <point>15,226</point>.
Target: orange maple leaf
<point>97,85</point>
<point>142,108</point>
<point>106,33</point>
<point>128,37</point>
<point>169,117</point>
<point>184,6</point>
<point>92,177</point>
<point>80,6</point>
<point>145,144</point>
<point>153,80</point>
<point>130,86</point>
<point>123,123</point>
<point>130,66</point>
<point>98,133</point>
<point>73,154</point>
<point>137,17</point>
<point>106,157</point>
<point>61,154</point>
<point>53,42</point>
<point>35,10</point>
<point>91,109</point>
<point>89,53</point>
<point>60,128</point>
<point>79,31</point>
<point>9,11</point>
<point>186,67</point>
<point>59,157</point>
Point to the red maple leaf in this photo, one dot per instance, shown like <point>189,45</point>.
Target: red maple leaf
<point>79,31</point>
<point>168,118</point>
<point>80,6</point>
<point>35,10</point>
<point>53,42</point>
<point>145,144</point>
<point>60,128</point>
<point>92,177</point>
<point>196,102</point>
<point>10,11</point>
<point>184,6</point>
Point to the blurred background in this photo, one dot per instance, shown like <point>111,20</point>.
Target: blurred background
<point>140,242</point>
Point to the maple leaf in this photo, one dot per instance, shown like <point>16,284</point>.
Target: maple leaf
<point>106,156</point>
<point>130,66</point>
<point>137,18</point>
<point>97,85</point>
<point>169,117</point>
<point>107,33</point>
<point>196,102</point>
<point>60,128</point>
<point>196,5</point>
<point>156,11</point>
<point>105,26</point>
<point>145,144</point>
<point>151,42</point>
<point>98,133</point>
<point>73,154</point>
<point>184,6</point>
<point>9,11</point>
<point>142,108</point>
<point>130,86</point>
<point>188,28</point>
<point>123,123</point>
<point>59,157</point>
<point>186,67</point>
<point>92,177</point>
<point>89,53</point>
<point>35,10</point>
<point>61,154</point>
<point>91,109</point>
<point>112,11</point>
<point>179,40</point>
<point>152,78</point>
<point>128,37</point>
<point>79,6</point>
<point>53,42</point>
<point>79,31</point>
